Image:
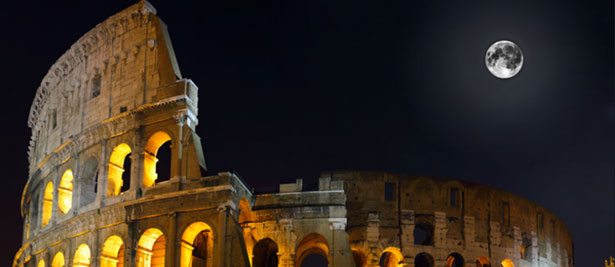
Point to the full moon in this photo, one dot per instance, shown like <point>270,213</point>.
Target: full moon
<point>504,59</point>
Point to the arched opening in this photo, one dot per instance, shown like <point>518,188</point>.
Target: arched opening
<point>41,263</point>
<point>151,249</point>
<point>116,170</point>
<point>112,252</point>
<point>47,203</point>
<point>483,261</point>
<point>310,244</point>
<point>245,211</point>
<point>391,257</point>
<point>507,263</point>
<point>360,260</point>
<point>265,253</point>
<point>82,256</point>
<point>65,192</point>
<point>197,246</point>
<point>423,260</point>
<point>454,260</point>
<point>151,162</point>
<point>58,260</point>
<point>88,182</point>
<point>423,234</point>
<point>315,260</point>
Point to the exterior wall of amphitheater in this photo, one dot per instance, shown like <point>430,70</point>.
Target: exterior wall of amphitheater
<point>117,96</point>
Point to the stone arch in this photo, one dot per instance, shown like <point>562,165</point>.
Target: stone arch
<point>112,254</point>
<point>47,203</point>
<point>245,211</point>
<point>151,248</point>
<point>483,261</point>
<point>197,246</point>
<point>65,192</point>
<point>507,263</point>
<point>391,257</point>
<point>265,253</point>
<point>88,181</point>
<point>423,260</point>
<point>360,259</point>
<point>154,143</point>
<point>58,260</point>
<point>312,243</point>
<point>82,256</point>
<point>41,263</point>
<point>423,232</point>
<point>116,169</point>
<point>455,260</point>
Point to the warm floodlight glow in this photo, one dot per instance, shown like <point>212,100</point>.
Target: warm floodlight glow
<point>47,203</point>
<point>112,254</point>
<point>58,260</point>
<point>82,256</point>
<point>483,261</point>
<point>149,157</point>
<point>41,263</point>
<point>507,263</point>
<point>393,257</point>
<point>65,192</point>
<point>150,249</point>
<point>187,244</point>
<point>116,168</point>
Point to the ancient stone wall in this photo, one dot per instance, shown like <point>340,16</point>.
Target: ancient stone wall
<point>96,194</point>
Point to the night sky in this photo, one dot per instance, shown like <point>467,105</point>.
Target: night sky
<point>290,89</point>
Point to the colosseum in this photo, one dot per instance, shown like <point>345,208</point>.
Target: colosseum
<point>96,194</point>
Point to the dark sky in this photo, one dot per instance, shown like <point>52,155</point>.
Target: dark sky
<point>289,89</point>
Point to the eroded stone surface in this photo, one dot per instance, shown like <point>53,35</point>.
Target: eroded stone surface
<point>118,94</point>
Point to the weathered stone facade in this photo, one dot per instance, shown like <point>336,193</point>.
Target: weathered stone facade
<point>117,96</point>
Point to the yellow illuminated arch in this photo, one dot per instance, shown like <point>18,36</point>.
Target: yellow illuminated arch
<point>507,263</point>
<point>112,252</point>
<point>312,243</point>
<point>188,239</point>
<point>58,260</point>
<point>150,249</point>
<point>82,256</point>
<point>65,192</point>
<point>149,157</point>
<point>41,263</point>
<point>47,203</point>
<point>395,259</point>
<point>116,168</point>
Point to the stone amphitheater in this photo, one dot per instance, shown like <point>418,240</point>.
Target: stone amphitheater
<point>96,195</point>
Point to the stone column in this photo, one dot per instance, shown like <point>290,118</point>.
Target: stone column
<point>373,236</point>
<point>534,248</point>
<point>407,235</point>
<point>495,234</point>
<point>440,229</point>
<point>469,232</point>
<point>517,241</point>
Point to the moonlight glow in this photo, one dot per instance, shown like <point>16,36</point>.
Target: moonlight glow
<point>504,59</point>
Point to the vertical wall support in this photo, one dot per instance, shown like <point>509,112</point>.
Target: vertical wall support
<point>176,166</point>
<point>287,248</point>
<point>172,243</point>
<point>373,236</point>
<point>440,229</point>
<point>517,242</point>
<point>469,231</point>
<point>534,248</point>
<point>407,235</point>
<point>495,235</point>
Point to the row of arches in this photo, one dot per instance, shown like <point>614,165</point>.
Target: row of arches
<point>156,161</point>
<point>392,257</point>
<point>196,250</point>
